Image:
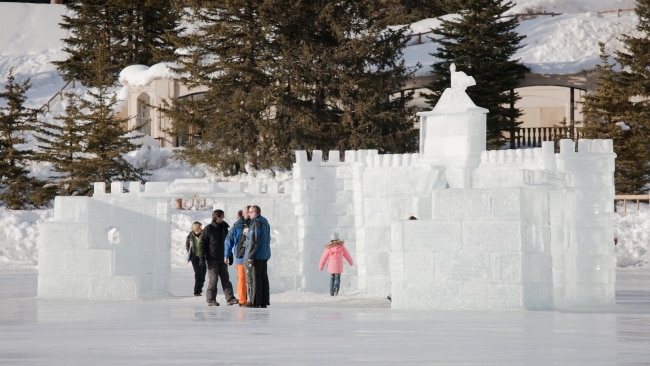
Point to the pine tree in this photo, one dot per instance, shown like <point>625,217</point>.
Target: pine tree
<point>482,43</point>
<point>132,32</point>
<point>335,79</point>
<point>276,86</point>
<point>409,11</point>
<point>63,143</point>
<point>18,190</point>
<point>607,116</point>
<point>107,142</point>
<point>223,53</point>
<point>89,143</point>
<point>634,59</point>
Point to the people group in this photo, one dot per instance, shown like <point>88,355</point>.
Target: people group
<point>247,245</point>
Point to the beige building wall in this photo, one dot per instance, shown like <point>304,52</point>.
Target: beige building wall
<point>143,109</point>
<point>549,106</point>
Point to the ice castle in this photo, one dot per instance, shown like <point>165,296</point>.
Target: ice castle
<point>527,229</point>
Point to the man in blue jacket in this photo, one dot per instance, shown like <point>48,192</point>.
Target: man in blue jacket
<point>235,246</point>
<point>258,252</point>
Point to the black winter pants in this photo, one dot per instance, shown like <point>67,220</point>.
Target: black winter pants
<point>218,269</point>
<point>260,289</point>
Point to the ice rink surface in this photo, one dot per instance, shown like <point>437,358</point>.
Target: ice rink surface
<point>313,329</point>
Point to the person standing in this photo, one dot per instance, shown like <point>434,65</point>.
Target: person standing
<point>193,248</point>
<point>248,268</point>
<point>212,245</point>
<point>258,253</point>
<point>235,246</point>
<point>333,255</point>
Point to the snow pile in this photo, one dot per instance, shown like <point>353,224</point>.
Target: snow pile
<point>633,234</point>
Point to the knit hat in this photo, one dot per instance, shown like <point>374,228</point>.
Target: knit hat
<point>334,236</point>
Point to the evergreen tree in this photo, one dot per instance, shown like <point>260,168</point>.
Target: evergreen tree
<point>63,143</point>
<point>335,79</point>
<point>132,32</point>
<point>224,53</point>
<point>18,190</point>
<point>482,42</point>
<point>89,143</point>
<point>634,59</point>
<point>276,86</point>
<point>409,11</point>
<point>107,142</point>
<point>607,116</point>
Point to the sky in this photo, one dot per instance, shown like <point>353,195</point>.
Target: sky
<point>310,328</point>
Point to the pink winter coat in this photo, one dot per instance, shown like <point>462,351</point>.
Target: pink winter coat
<point>334,253</point>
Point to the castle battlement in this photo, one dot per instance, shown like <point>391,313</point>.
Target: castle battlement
<point>190,186</point>
<point>369,158</point>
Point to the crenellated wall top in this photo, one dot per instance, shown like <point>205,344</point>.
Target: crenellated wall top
<point>368,158</point>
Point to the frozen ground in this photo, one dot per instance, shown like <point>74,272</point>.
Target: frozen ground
<point>301,329</point>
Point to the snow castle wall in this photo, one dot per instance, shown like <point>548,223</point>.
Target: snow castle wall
<point>507,230</point>
<point>532,232</point>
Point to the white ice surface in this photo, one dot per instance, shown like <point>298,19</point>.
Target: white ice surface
<point>309,329</point>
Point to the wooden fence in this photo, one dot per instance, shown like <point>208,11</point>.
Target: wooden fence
<point>623,198</point>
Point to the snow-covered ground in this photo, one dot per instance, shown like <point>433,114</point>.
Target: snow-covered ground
<point>307,329</point>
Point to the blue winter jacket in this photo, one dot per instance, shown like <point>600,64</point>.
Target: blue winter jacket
<point>232,239</point>
<point>258,241</point>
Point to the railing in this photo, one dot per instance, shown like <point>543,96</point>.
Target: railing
<point>527,137</point>
<point>58,94</point>
<point>630,197</point>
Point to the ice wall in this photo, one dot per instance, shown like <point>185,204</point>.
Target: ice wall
<point>532,232</point>
<point>102,250</point>
<point>585,272</point>
<point>117,245</point>
<point>323,201</point>
<point>506,230</point>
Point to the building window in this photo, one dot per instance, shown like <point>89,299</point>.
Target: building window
<point>143,120</point>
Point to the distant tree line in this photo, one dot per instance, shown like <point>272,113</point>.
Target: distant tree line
<point>280,76</point>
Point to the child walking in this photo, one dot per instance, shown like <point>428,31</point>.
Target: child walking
<point>334,253</point>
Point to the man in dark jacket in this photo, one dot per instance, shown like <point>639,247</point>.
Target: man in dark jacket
<point>212,249</point>
<point>258,253</point>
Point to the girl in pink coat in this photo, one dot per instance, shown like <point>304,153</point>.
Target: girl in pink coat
<point>334,253</point>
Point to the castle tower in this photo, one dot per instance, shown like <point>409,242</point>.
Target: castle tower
<point>452,135</point>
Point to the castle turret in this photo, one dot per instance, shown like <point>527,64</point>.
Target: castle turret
<point>452,135</point>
